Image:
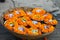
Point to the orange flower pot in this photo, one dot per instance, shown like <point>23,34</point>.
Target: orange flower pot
<point>54,22</point>
<point>51,28</point>
<point>44,28</point>
<point>23,20</point>
<point>9,24</point>
<point>8,16</point>
<point>51,21</point>
<point>33,31</point>
<point>37,17</point>
<point>39,11</point>
<point>29,13</point>
<point>22,13</point>
<point>20,29</point>
<point>48,16</point>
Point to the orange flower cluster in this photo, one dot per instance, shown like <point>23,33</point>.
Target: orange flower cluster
<point>35,22</point>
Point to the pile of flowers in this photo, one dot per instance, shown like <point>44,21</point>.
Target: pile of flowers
<point>31,22</point>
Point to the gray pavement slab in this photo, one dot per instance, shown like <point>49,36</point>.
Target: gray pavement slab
<point>6,35</point>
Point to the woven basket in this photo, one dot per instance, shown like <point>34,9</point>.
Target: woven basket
<point>29,37</point>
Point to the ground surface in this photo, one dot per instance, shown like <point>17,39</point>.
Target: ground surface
<point>5,35</point>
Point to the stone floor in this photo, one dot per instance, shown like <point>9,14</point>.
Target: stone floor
<point>6,35</point>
